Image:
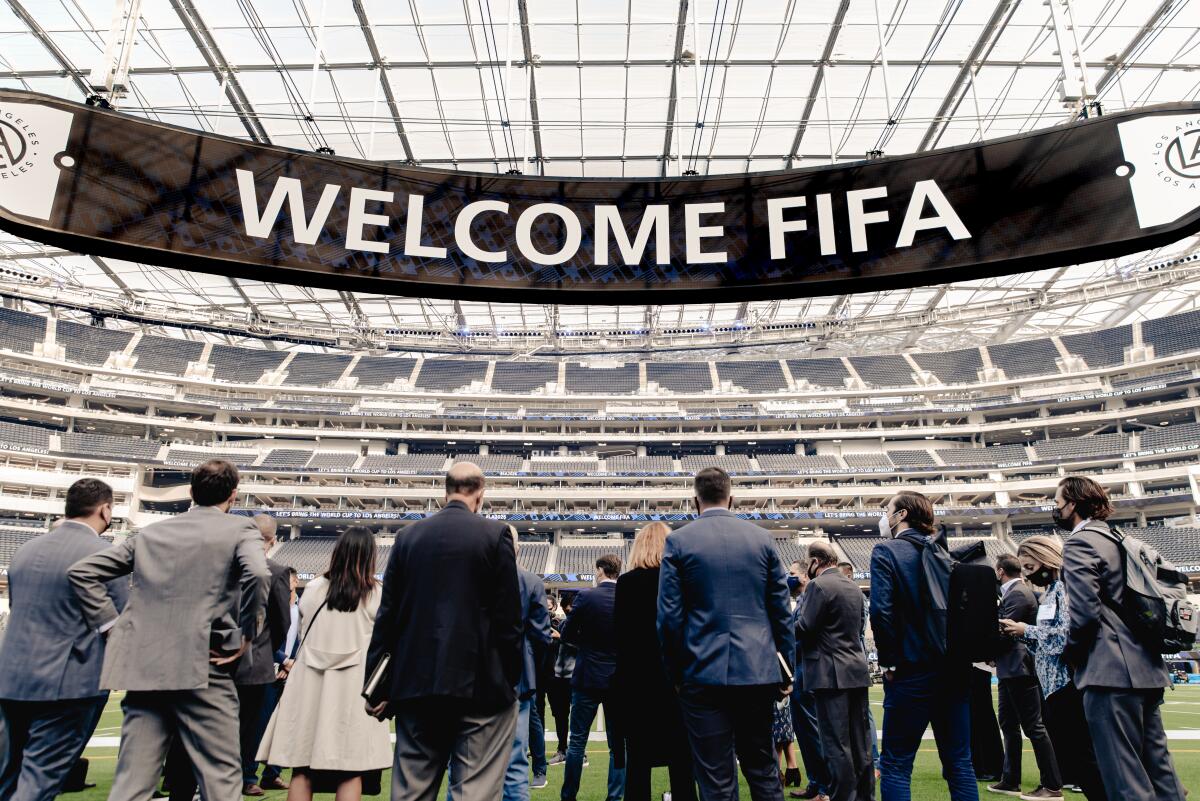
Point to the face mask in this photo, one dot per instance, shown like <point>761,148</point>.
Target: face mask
<point>885,527</point>
<point>1061,520</point>
<point>107,523</point>
<point>793,583</point>
<point>1041,578</point>
<point>812,571</point>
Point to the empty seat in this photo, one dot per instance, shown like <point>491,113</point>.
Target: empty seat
<point>90,344</point>
<point>688,377</point>
<point>952,366</point>
<point>448,375</point>
<point>1178,333</point>
<point>20,331</point>
<point>16,437</point>
<point>333,460</point>
<point>532,556</point>
<point>523,377</point>
<point>316,369</point>
<point>1100,348</point>
<point>732,463</point>
<point>1020,359</point>
<point>286,458</point>
<point>911,458</point>
<point>125,448</point>
<point>584,379</point>
<point>408,464</point>
<point>242,365</point>
<point>166,354</point>
<point>798,463</point>
<point>492,462</point>
<point>639,465</point>
<point>991,456</point>
<point>819,372</point>
<point>380,371</point>
<point>1071,448</point>
<point>868,461</point>
<point>883,371</point>
<point>753,376</point>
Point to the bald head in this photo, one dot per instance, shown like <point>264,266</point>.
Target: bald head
<point>266,527</point>
<point>823,553</point>
<point>464,482</point>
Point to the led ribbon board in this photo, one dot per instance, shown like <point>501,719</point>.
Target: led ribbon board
<point>105,183</point>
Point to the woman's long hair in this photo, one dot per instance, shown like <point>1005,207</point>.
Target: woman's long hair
<point>351,571</point>
<point>648,546</point>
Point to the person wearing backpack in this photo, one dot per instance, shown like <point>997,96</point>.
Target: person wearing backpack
<point>1121,679</point>
<point>921,686</point>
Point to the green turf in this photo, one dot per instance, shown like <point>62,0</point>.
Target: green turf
<point>1182,711</point>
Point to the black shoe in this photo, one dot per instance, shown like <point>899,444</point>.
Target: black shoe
<point>1003,788</point>
<point>792,777</point>
<point>809,792</point>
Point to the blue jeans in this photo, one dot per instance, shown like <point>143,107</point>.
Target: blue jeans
<point>911,702</point>
<point>584,704</point>
<point>874,738</point>
<point>516,780</point>
<point>804,722</point>
<point>537,738</point>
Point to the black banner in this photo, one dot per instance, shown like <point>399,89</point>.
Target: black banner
<point>101,182</point>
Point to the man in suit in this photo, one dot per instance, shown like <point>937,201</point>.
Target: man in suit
<point>723,621</point>
<point>920,687</point>
<point>1020,694</point>
<point>174,646</point>
<point>450,622</point>
<point>1121,680</point>
<point>591,628</point>
<point>835,671</point>
<point>50,694</point>
<point>255,675</point>
<point>803,702</point>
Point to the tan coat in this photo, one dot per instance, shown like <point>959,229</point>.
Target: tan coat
<point>321,722</point>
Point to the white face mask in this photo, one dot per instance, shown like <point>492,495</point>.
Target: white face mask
<point>885,527</point>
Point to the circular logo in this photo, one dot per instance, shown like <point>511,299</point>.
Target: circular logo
<point>1183,154</point>
<point>12,145</point>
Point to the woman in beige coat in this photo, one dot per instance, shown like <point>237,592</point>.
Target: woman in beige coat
<point>320,728</point>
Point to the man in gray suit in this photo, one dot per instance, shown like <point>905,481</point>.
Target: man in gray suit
<point>723,622</point>
<point>174,646</point>
<point>1121,680</point>
<point>1019,692</point>
<point>50,661</point>
<point>835,671</point>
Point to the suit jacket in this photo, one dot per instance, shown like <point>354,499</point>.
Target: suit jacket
<point>897,607</point>
<point>1014,659</point>
<point>830,626</point>
<point>537,629</point>
<point>723,604</point>
<point>1100,646</point>
<point>591,627</point>
<point>50,653</point>
<point>450,615</point>
<point>186,571</point>
<point>260,667</point>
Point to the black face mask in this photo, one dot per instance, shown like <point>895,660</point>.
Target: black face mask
<point>1060,519</point>
<point>812,571</point>
<point>1041,578</point>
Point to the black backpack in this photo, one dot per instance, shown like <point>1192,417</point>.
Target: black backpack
<point>1154,604</point>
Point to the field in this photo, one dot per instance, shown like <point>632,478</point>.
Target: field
<point>1181,715</point>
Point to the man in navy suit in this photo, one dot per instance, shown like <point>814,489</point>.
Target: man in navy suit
<point>919,687</point>
<point>591,628</point>
<point>724,625</point>
<point>50,661</point>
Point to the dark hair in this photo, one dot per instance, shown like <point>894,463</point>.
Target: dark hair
<point>1008,565</point>
<point>87,495</point>
<point>712,485</point>
<point>844,565</point>
<point>465,485</point>
<point>610,563</point>
<point>920,511</point>
<point>351,570</point>
<point>1089,498</point>
<point>213,482</point>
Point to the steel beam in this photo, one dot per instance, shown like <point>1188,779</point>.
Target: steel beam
<point>822,64</point>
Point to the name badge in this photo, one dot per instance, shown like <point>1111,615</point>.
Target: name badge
<point>1046,612</point>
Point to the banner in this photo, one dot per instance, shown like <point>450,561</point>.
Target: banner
<point>105,183</point>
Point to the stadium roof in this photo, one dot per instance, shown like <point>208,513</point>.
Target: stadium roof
<point>615,88</point>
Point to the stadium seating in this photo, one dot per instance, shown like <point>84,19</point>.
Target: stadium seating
<point>90,344</point>
<point>379,371</point>
<point>683,377</point>
<point>523,377</point>
<point>868,461</point>
<point>639,465</point>
<point>448,375</point>
<point>789,551</point>
<point>242,365</point>
<point>794,463</point>
<point>1102,348</point>
<point>1178,435</point>
<point>858,549</point>
<point>308,555</point>
<point>1180,545</point>
<point>1028,358</point>
<point>190,457</point>
<point>582,558</point>
<point>533,555</point>
<point>14,436</point>
<point>883,371</point>
<point>410,463</point>
<point>911,458</point>
<point>492,462</point>
<point>11,540</point>
<point>316,369</point>
<point>1072,448</point>
<point>753,376</point>
<point>992,456</point>
<point>169,355</point>
<point>564,466</point>
<point>20,331</point>
<point>952,366</point>
<point>103,445</point>
<point>1158,379</point>
<point>819,372</point>
<point>333,460</point>
<point>585,380</point>
<point>286,458</point>
<point>1178,333</point>
<point>733,464</point>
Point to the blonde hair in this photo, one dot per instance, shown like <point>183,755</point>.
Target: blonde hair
<point>648,546</point>
<point>1040,548</point>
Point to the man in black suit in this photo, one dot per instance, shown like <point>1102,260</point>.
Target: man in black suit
<point>835,671</point>
<point>591,628</point>
<point>1020,695</point>
<point>450,620</point>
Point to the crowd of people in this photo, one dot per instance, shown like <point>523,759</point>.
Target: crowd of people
<point>705,654</point>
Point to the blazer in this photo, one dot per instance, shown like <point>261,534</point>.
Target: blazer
<point>1014,659</point>
<point>260,667</point>
<point>450,615</point>
<point>186,572</point>
<point>723,604</point>
<point>1100,647</point>
<point>591,627</point>
<point>830,626</point>
<point>50,653</point>
<point>537,629</point>
<point>896,606</point>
